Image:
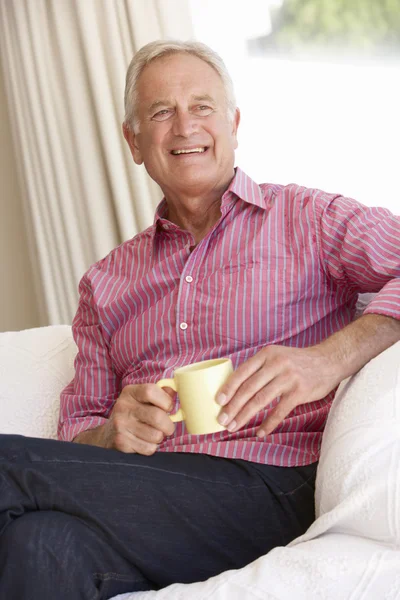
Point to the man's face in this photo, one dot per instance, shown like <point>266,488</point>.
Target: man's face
<point>185,139</point>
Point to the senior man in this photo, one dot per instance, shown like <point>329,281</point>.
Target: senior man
<point>265,274</point>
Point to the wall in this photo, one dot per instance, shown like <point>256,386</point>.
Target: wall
<point>18,305</point>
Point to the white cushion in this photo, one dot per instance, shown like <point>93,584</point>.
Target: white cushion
<point>358,479</point>
<point>35,365</point>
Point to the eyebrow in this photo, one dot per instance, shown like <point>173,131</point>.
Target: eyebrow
<point>204,97</point>
<point>158,103</point>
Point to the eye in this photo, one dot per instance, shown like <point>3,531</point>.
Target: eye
<point>204,109</point>
<point>161,115</point>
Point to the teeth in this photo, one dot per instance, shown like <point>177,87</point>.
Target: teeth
<point>188,151</point>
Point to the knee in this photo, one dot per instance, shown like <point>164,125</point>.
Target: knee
<point>42,550</point>
<point>39,540</point>
<point>28,536</point>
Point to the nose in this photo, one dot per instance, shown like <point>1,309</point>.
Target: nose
<point>184,124</point>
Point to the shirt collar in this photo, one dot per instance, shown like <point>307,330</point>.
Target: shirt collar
<point>241,186</point>
<point>244,188</point>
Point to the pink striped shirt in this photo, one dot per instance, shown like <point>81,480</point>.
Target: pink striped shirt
<point>283,265</point>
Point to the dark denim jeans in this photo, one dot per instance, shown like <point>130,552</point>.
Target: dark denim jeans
<point>80,522</point>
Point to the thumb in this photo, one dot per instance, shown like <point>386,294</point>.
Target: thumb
<point>170,392</point>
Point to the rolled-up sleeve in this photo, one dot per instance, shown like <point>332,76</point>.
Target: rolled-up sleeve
<point>360,248</point>
<point>87,400</point>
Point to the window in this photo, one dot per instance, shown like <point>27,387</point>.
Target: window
<point>319,96</point>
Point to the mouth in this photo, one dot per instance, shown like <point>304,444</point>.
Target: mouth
<point>186,151</point>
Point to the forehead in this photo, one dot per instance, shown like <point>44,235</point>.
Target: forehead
<point>176,74</point>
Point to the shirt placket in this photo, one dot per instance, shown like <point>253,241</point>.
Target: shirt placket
<point>185,319</point>
<point>187,287</point>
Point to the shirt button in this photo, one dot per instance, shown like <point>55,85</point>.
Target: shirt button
<point>189,279</point>
<point>183,326</point>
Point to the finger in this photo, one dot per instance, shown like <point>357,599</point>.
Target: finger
<point>238,377</point>
<point>259,401</point>
<point>279,414</point>
<point>149,434</point>
<point>155,417</point>
<point>169,391</point>
<point>248,390</point>
<point>142,447</point>
<point>126,441</point>
<point>150,393</point>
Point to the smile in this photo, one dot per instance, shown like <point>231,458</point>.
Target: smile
<point>199,150</point>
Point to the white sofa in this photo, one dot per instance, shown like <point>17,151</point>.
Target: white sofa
<point>352,551</point>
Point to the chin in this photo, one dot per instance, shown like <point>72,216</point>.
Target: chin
<point>195,182</point>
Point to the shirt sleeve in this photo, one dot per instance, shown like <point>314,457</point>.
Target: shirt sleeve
<point>87,400</point>
<point>360,249</point>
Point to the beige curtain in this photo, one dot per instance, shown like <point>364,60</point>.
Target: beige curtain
<point>64,64</point>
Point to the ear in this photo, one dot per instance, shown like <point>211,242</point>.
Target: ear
<point>132,141</point>
<point>235,125</point>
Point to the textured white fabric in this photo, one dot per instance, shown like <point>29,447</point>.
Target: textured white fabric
<point>330,567</point>
<point>351,552</point>
<point>358,481</point>
<point>35,365</point>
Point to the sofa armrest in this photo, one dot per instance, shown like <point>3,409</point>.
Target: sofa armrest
<point>35,365</point>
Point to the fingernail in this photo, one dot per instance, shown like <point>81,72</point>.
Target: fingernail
<point>232,426</point>
<point>222,400</point>
<point>223,419</point>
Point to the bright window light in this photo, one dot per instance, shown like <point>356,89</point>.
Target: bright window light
<point>331,122</point>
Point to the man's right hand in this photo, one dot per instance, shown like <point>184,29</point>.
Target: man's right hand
<point>138,421</point>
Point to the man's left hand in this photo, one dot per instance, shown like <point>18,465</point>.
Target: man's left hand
<point>296,375</point>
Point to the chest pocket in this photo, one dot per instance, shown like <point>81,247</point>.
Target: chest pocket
<point>248,303</point>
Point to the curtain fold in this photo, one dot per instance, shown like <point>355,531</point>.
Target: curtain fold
<point>64,64</point>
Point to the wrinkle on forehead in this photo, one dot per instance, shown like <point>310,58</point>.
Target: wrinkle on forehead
<point>167,77</point>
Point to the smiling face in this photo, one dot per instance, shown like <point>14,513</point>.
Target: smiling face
<point>185,138</point>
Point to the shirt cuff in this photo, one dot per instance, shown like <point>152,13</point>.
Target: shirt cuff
<point>386,301</point>
<point>72,427</point>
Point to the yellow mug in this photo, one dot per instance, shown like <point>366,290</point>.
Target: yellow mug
<point>197,386</point>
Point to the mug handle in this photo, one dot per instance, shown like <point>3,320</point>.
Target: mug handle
<point>179,415</point>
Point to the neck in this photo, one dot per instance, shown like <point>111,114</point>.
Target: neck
<point>196,213</point>
<point>195,216</point>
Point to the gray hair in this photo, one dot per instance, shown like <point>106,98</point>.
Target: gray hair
<point>159,48</point>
